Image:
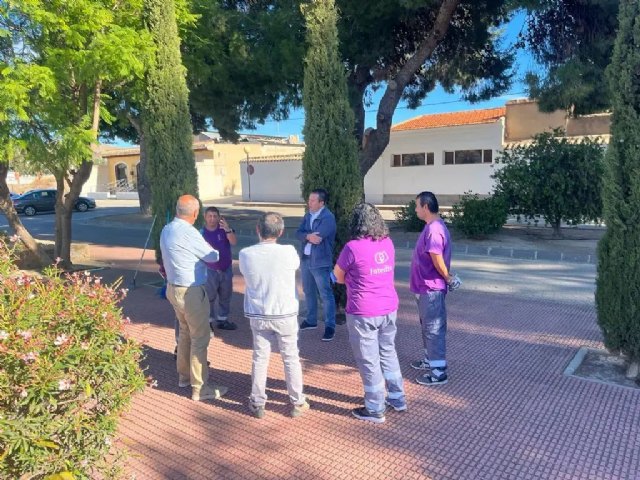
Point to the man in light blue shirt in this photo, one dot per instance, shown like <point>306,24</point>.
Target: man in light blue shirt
<point>184,253</point>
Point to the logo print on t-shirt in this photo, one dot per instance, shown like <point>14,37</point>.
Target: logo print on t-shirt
<point>381,257</point>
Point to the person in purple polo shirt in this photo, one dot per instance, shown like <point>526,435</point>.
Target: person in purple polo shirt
<point>220,236</point>
<point>430,278</point>
<point>366,265</point>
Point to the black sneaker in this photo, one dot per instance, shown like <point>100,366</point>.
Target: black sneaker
<point>226,325</point>
<point>307,326</point>
<point>435,377</point>
<point>420,365</point>
<point>329,334</point>
<point>363,414</point>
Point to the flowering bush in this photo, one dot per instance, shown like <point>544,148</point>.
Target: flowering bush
<point>67,371</point>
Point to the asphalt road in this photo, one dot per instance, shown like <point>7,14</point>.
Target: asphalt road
<point>543,280</point>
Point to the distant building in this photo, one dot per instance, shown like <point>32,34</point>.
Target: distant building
<point>447,153</point>
<point>218,164</point>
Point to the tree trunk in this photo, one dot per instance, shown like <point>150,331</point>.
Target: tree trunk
<point>357,83</point>
<point>557,232</point>
<point>378,138</point>
<point>6,205</point>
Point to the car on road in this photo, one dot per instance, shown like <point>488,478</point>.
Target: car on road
<point>44,200</point>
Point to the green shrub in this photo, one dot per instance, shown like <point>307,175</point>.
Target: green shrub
<point>67,372</point>
<point>475,217</point>
<point>407,219</point>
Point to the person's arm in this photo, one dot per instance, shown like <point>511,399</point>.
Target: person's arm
<point>339,274</point>
<point>326,228</point>
<point>438,262</point>
<point>230,232</point>
<point>200,247</point>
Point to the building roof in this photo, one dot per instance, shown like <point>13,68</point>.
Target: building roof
<point>438,120</point>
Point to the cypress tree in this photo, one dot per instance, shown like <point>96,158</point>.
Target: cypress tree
<point>165,118</point>
<point>330,159</point>
<point>618,282</point>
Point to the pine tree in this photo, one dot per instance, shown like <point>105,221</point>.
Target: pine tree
<point>166,121</point>
<point>618,282</point>
<point>331,156</point>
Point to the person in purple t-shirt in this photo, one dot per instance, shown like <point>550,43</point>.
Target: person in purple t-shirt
<point>429,280</point>
<point>220,236</point>
<point>366,265</point>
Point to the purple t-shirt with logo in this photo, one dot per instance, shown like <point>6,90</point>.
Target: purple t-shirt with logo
<point>369,275</point>
<point>424,276</point>
<point>218,239</point>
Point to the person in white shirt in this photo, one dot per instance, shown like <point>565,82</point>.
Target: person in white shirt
<point>184,256</point>
<point>271,305</point>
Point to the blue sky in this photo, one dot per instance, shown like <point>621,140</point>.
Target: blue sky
<point>437,101</point>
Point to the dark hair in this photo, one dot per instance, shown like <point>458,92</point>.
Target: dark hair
<point>212,209</point>
<point>366,221</point>
<point>270,225</point>
<point>428,199</point>
<point>323,195</point>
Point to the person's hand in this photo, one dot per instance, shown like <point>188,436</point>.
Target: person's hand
<point>314,238</point>
<point>225,226</point>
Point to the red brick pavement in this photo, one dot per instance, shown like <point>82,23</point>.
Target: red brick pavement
<point>507,413</point>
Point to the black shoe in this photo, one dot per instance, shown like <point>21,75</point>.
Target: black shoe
<point>307,326</point>
<point>329,334</point>
<point>363,414</point>
<point>226,325</point>
<point>435,377</point>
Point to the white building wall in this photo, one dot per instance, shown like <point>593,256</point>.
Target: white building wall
<point>272,181</point>
<point>384,182</point>
<point>210,185</point>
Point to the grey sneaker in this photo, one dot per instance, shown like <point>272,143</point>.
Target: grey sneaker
<point>256,410</point>
<point>208,392</point>
<point>184,381</point>
<point>397,408</point>
<point>298,410</point>
<point>420,365</point>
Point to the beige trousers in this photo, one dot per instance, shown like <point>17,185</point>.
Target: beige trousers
<point>192,311</point>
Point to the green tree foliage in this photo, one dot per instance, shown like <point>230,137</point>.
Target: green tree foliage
<point>552,177</point>
<point>330,159</point>
<point>165,118</point>
<point>573,40</point>
<point>477,217</point>
<point>618,281</point>
<point>71,52</point>
<point>244,62</point>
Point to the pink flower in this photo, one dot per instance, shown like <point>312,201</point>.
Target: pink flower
<point>84,345</point>
<point>58,260</point>
<point>25,334</point>
<point>29,357</point>
<point>4,335</point>
<point>60,340</point>
<point>23,393</point>
<point>64,384</point>
<point>14,238</point>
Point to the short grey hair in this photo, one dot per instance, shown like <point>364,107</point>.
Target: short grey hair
<point>270,225</point>
<point>185,208</point>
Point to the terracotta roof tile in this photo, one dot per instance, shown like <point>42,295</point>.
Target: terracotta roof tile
<point>450,119</point>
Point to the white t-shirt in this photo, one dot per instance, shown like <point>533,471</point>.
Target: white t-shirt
<point>269,271</point>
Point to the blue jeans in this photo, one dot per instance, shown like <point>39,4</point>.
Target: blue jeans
<point>219,289</point>
<point>373,343</point>
<point>316,280</point>
<point>433,318</point>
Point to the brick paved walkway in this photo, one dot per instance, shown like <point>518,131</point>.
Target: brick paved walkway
<point>507,413</point>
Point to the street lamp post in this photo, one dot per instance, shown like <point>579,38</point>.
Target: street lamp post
<point>249,172</point>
